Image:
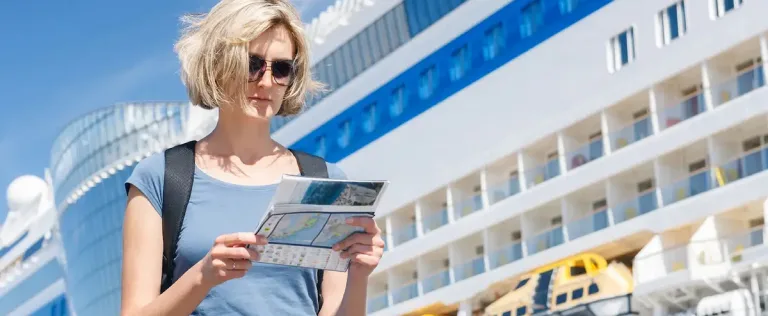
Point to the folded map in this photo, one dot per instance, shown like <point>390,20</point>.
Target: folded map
<point>307,216</point>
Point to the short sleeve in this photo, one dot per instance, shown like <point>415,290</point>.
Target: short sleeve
<point>334,172</point>
<point>147,176</point>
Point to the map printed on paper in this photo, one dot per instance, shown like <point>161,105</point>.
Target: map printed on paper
<point>308,216</point>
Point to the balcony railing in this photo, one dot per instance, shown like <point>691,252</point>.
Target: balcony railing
<point>631,133</point>
<point>435,220</point>
<point>436,281</point>
<point>378,302</point>
<point>584,154</point>
<point>405,233</point>
<point>660,264</point>
<point>505,189</point>
<point>737,244</point>
<point>545,240</point>
<point>469,269</point>
<point>688,108</point>
<point>694,184</point>
<point>748,164</point>
<point>506,254</point>
<point>468,206</point>
<point>745,82</point>
<point>405,292</point>
<point>643,203</point>
<point>539,174</point>
<point>587,224</point>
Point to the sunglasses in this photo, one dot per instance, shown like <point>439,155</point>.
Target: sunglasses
<point>282,70</point>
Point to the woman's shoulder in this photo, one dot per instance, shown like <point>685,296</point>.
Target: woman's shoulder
<point>148,177</point>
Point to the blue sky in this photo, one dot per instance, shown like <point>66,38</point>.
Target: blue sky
<point>61,59</point>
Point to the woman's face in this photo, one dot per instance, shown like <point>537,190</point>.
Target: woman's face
<point>265,93</point>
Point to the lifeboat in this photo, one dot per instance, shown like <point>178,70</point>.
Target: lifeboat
<point>581,285</point>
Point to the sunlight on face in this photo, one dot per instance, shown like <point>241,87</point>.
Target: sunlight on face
<point>265,96</point>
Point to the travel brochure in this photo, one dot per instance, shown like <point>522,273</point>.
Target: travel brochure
<point>307,216</point>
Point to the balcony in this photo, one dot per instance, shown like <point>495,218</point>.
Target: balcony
<point>404,225</point>
<point>434,210</point>
<point>503,179</point>
<point>405,292</point>
<point>505,254</point>
<point>736,72</point>
<point>680,98</point>
<point>377,302</point>
<point>467,196</point>
<point>544,226</point>
<point>541,162</point>
<point>685,173</point>
<point>436,280</point>
<point>632,193</point>
<point>583,142</point>
<point>468,257</point>
<point>586,211</point>
<point>629,121</point>
<point>469,268</point>
<point>505,242</point>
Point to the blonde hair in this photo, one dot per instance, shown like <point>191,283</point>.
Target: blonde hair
<point>213,51</point>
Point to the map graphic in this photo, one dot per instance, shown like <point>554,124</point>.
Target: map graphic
<point>336,230</point>
<point>299,228</point>
<point>340,193</point>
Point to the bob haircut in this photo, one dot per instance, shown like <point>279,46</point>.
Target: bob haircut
<point>213,51</point>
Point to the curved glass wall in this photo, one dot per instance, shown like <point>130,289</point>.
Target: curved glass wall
<point>91,160</point>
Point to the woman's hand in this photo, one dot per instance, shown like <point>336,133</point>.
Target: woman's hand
<point>229,258</point>
<point>364,248</point>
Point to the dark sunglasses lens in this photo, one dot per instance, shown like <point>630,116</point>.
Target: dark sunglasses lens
<point>255,68</point>
<point>282,70</point>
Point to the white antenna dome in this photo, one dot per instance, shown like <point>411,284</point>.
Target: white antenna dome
<point>26,192</point>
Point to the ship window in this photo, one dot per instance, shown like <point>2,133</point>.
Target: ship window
<point>621,50</point>
<point>521,311</point>
<point>522,283</point>
<point>671,23</point>
<point>578,270</point>
<point>593,289</point>
<point>561,298</point>
<point>577,294</point>
<point>507,314</point>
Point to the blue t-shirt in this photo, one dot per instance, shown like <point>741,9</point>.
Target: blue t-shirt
<point>216,208</point>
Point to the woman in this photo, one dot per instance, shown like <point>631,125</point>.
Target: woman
<point>248,59</point>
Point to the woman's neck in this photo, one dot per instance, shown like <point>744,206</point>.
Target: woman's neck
<point>241,138</point>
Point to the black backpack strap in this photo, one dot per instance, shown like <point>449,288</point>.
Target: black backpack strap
<point>177,187</point>
<point>313,166</point>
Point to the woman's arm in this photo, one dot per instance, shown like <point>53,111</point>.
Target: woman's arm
<point>142,264</point>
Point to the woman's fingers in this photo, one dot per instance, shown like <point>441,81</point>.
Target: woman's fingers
<point>359,238</point>
<point>360,249</point>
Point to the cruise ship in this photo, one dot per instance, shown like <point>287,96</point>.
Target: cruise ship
<point>552,157</point>
<point>32,277</point>
<point>545,157</point>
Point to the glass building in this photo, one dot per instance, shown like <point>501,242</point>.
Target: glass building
<point>90,161</point>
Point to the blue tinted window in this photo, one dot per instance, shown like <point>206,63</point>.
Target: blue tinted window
<point>427,82</point>
<point>532,18</point>
<point>493,42</point>
<point>561,298</point>
<point>320,146</point>
<point>521,311</point>
<point>593,289</point>
<point>345,133</point>
<point>577,294</point>
<point>398,102</point>
<point>369,118</point>
<point>460,63</point>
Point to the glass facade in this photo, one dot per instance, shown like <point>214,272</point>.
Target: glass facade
<point>91,160</point>
<point>375,42</point>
